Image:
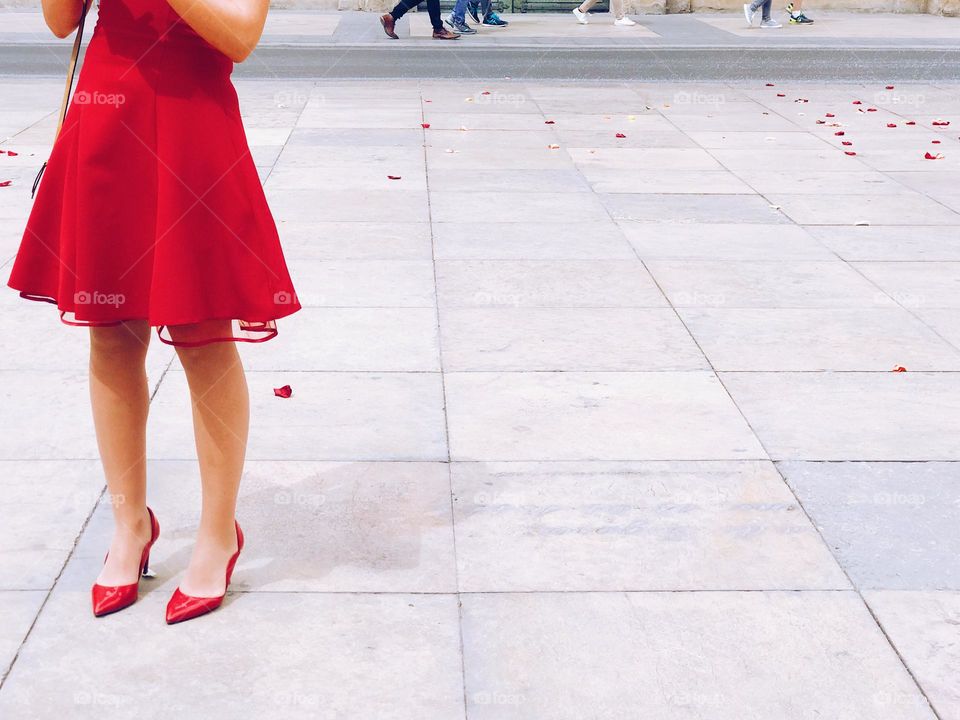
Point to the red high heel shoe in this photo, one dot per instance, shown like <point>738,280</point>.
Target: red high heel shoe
<point>186,607</point>
<point>111,598</point>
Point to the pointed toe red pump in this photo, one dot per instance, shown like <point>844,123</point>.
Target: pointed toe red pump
<point>109,599</point>
<point>184,607</point>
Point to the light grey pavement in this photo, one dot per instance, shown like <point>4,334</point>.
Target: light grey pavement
<point>582,426</point>
<point>840,46</point>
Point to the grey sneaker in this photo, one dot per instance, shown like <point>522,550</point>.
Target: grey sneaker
<point>748,14</point>
<point>460,27</point>
<point>770,24</point>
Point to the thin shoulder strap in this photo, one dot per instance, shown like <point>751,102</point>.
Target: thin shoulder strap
<point>72,69</point>
<point>71,72</point>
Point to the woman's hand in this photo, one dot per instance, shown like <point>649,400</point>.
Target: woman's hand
<point>233,27</point>
<point>62,16</point>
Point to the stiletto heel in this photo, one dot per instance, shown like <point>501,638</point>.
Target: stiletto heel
<point>186,607</point>
<point>111,598</point>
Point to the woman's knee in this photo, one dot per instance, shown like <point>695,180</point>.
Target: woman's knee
<point>128,339</point>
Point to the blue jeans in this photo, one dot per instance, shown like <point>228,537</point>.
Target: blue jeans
<point>459,13</point>
<point>765,4</point>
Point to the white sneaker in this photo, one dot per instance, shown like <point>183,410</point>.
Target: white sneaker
<point>770,24</point>
<point>580,16</point>
<point>624,22</point>
<point>748,14</point>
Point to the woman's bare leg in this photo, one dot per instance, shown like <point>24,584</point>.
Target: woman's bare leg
<point>120,400</point>
<point>221,415</point>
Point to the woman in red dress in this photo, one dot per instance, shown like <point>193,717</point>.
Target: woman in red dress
<point>151,214</point>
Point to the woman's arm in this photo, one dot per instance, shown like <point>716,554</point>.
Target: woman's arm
<point>232,26</point>
<point>62,16</point>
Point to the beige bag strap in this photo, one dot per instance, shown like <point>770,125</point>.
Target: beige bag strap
<point>71,72</point>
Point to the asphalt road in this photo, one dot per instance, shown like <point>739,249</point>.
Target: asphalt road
<point>429,59</point>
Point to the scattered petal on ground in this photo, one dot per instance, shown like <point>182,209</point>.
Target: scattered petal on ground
<point>858,102</point>
<point>931,156</point>
<point>940,123</point>
<point>889,87</point>
<point>424,125</point>
<point>283,392</point>
<point>553,146</point>
<point>6,183</point>
<point>549,122</point>
<point>393,177</point>
<point>621,135</point>
<point>899,368</point>
<point>891,125</point>
<point>846,142</point>
<point>910,122</point>
<point>850,152</point>
<point>840,132</point>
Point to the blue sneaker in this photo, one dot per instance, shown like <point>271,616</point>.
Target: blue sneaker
<point>491,18</point>
<point>474,9</point>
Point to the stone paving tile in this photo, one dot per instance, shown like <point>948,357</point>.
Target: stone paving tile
<point>777,339</point>
<point>536,207</point>
<point>26,398</point>
<point>351,339</point>
<point>634,526</point>
<point>331,416</point>
<point>348,527</point>
<point>513,338</point>
<point>691,209</point>
<point>851,416</point>
<point>295,655</point>
<point>919,285</point>
<point>19,608</point>
<point>734,241</point>
<point>890,525</point>
<point>531,241</point>
<point>45,504</point>
<point>363,283</point>
<point>354,240</point>
<point>594,416</point>
<point>546,283</point>
<point>890,243</point>
<point>780,284</point>
<point>688,656</point>
<point>925,629</point>
<point>876,209</point>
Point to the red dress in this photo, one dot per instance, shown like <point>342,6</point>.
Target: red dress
<point>150,207</point>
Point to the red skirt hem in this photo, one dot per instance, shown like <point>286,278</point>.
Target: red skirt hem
<point>253,331</point>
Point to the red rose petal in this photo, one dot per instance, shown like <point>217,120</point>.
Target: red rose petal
<point>393,177</point>
<point>769,84</point>
<point>940,123</point>
<point>781,95</point>
<point>935,142</point>
<point>871,109</point>
<point>891,125</point>
<point>931,156</point>
<point>424,125</point>
<point>839,133</point>
<point>858,102</point>
<point>821,122</point>
<point>549,122</point>
<point>910,122</point>
<point>889,87</point>
<point>899,368</point>
<point>485,92</point>
<point>829,115</point>
<point>283,392</point>
<point>849,152</point>
<point>621,135</point>
<point>11,153</point>
<point>6,183</point>
<point>846,142</point>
